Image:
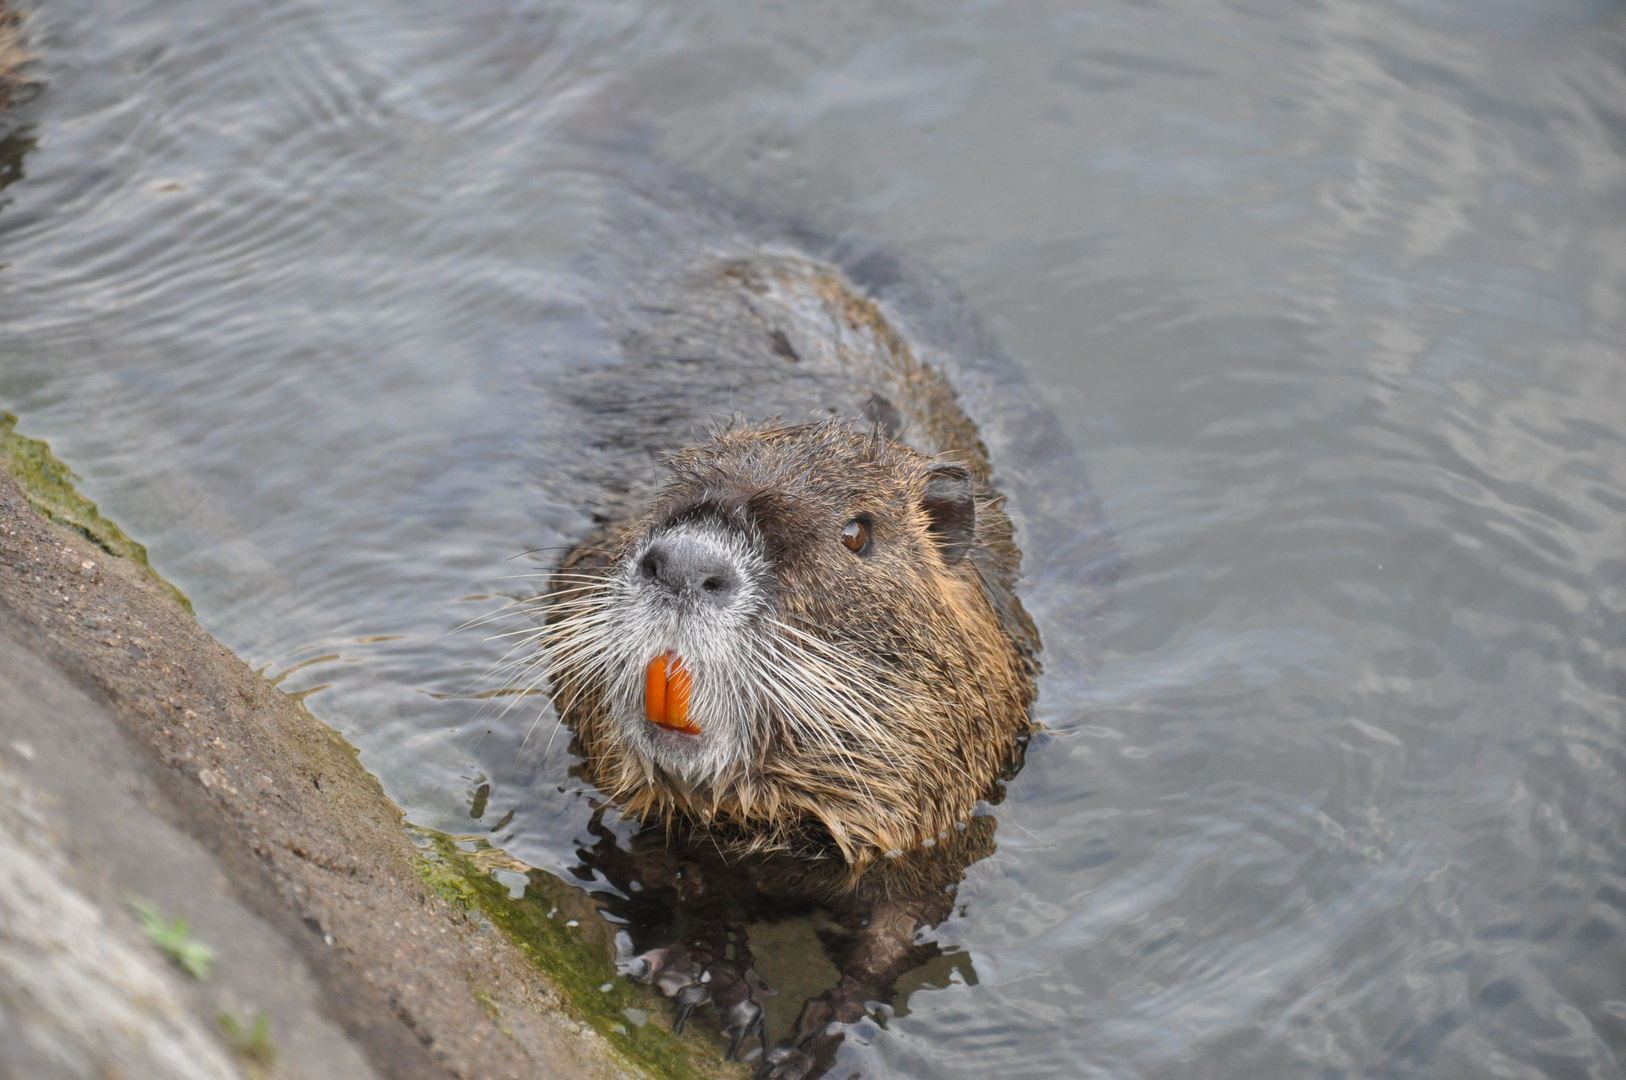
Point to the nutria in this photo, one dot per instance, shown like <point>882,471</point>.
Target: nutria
<point>793,645</point>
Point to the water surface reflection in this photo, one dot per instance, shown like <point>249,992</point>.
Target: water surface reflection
<point>1329,296</point>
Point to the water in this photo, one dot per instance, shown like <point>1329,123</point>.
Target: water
<point>1330,297</point>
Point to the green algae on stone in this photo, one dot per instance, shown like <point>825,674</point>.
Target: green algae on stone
<point>48,483</point>
<point>493,1011</point>
<point>447,880</point>
<point>558,927</point>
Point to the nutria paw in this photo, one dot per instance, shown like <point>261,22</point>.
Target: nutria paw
<point>825,1024</point>
<point>695,977</point>
<point>811,1049</point>
<point>787,1063</point>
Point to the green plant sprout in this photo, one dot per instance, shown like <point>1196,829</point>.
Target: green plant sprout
<point>173,938</point>
<point>251,1044</point>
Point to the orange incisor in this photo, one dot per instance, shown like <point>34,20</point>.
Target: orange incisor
<point>666,694</point>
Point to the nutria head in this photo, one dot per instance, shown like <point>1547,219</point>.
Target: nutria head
<point>807,640</point>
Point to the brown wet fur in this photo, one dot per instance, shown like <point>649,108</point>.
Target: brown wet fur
<point>934,629</point>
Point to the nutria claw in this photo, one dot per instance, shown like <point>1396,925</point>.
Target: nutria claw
<point>696,977</point>
<point>746,1017</point>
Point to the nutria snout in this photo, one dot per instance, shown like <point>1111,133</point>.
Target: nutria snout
<point>796,643</point>
<point>693,567</point>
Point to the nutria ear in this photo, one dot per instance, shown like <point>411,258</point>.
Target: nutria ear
<point>953,511</point>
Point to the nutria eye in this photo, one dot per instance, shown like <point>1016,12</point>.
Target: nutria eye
<point>855,536</point>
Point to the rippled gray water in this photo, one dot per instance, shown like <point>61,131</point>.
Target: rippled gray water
<point>1331,297</point>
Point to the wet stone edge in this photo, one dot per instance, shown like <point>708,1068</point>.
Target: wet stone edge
<point>553,926</point>
<point>560,930</point>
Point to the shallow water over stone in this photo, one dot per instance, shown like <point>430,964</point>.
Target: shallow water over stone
<point>1329,297</point>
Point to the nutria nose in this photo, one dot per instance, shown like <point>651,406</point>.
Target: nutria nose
<point>687,566</point>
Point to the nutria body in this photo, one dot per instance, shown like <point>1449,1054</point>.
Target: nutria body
<point>793,644</point>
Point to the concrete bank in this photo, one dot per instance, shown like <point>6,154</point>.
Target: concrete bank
<point>141,761</point>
